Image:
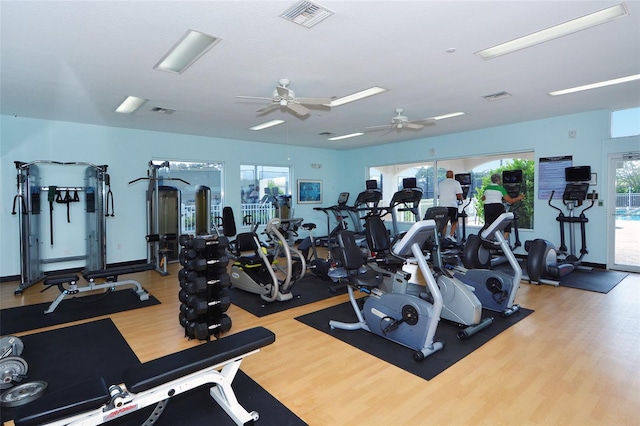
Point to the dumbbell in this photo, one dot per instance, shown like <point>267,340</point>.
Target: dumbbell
<point>192,309</point>
<point>202,330</point>
<point>202,264</point>
<point>200,284</point>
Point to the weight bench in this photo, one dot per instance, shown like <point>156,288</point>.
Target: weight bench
<point>92,403</point>
<point>111,276</point>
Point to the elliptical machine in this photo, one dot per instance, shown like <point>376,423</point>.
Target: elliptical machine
<point>401,318</point>
<point>545,262</point>
<point>256,272</point>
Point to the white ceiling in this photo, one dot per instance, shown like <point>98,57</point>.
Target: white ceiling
<point>77,60</point>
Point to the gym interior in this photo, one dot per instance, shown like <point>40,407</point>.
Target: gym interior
<point>567,357</point>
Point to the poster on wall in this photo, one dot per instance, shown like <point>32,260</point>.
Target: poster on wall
<point>551,176</point>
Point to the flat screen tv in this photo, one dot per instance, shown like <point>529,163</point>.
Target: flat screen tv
<point>343,198</point>
<point>577,174</point>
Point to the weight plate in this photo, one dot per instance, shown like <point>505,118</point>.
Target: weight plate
<point>11,368</point>
<point>10,346</point>
<point>22,394</point>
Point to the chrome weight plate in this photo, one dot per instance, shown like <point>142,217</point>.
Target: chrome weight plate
<point>23,394</point>
<point>11,370</point>
<point>10,346</point>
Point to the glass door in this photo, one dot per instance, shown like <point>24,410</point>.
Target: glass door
<point>624,212</point>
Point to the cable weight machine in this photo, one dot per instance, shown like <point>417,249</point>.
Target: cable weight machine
<point>28,206</point>
<point>163,217</point>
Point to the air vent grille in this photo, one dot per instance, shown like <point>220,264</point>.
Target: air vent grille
<point>161,110</point>
<point>496,96</point>
<point>306,13</point>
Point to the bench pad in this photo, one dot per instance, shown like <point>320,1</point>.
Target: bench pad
<point>114,272</point>
<point>93,394</point>
<point>153,373</point>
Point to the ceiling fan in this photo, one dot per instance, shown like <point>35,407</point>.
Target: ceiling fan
<point>285,98</point>
<point>401,122</point>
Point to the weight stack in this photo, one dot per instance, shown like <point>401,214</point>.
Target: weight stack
<point>204,281</point>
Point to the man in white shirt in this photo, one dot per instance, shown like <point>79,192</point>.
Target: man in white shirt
<point>450,193</point>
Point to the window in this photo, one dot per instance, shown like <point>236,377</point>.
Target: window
<point>265,193</point>
<point>625,122</point>
<point>190,178</point>
<point>429,174</point>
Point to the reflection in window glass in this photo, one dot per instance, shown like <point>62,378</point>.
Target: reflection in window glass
<point>265,193</point>
<point>199,175</point>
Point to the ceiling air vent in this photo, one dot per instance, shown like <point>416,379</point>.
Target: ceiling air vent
<point>161,110</point>
<point>306,13</point>
<point>496,96</point>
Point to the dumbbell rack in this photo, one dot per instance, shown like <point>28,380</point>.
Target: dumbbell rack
<point>203,286</point>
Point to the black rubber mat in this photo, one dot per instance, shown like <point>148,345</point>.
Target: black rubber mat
<point>32,317</point>
<point>307,290</point>
<point>402,357</point>
<point>597,280</point>
<point>68,355</point>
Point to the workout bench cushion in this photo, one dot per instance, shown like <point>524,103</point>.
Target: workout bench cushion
<point>171,367</point>
<point>114,272</point>
<point>75,399</point>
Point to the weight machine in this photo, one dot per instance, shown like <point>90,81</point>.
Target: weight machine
<point>27,205</point>
<point>163,211</point>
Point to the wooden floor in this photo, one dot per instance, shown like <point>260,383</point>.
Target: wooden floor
<point>574,361</point>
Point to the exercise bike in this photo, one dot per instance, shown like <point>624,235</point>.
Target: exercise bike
<point>256,272</point>
<point>545,262</point>
<point>401,318</point>
<point>496,290</point>
<point>460,304</point>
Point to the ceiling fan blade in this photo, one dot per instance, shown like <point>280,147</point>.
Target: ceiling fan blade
<point>413,126</point>
<point>268,108</point>
<point>314,101</point>
<point>425,122</point>
<point>297,108</point>
<point>253,97</point>
<point>376,128</point>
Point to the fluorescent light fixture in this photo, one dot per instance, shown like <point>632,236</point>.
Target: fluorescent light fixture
<point>186,51</point>
<point>351,135</point>
<point>266,125</point>
<point>130,105</point>
<point>451,115</point>
<point>357,96</point>
<point>596,85</point>
<point>556,31</point>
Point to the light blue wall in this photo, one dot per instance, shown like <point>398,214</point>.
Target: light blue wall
<point>127,152</point>
<point>547,138</point>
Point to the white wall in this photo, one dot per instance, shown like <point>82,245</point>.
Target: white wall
<point>127,152</point>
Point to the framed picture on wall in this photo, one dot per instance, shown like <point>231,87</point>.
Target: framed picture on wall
<point>309,191</point>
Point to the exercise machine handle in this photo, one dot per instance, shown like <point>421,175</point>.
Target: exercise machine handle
<point>551,205</point>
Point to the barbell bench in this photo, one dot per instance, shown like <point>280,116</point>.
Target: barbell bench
<point>110,274</point>
<point>92,403</point>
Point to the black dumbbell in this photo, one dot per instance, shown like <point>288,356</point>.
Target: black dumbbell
<point>202,330</point>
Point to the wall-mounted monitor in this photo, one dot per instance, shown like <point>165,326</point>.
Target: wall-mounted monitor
<point>577,174</point>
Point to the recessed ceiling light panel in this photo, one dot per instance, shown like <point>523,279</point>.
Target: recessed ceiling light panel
<point>566,28</point>
<point>191,46</point>
<point>130,105</point>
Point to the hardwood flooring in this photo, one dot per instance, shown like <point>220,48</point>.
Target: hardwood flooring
<point>574,361</point>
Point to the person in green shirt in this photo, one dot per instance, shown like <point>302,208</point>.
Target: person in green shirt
<point>494,197</point>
